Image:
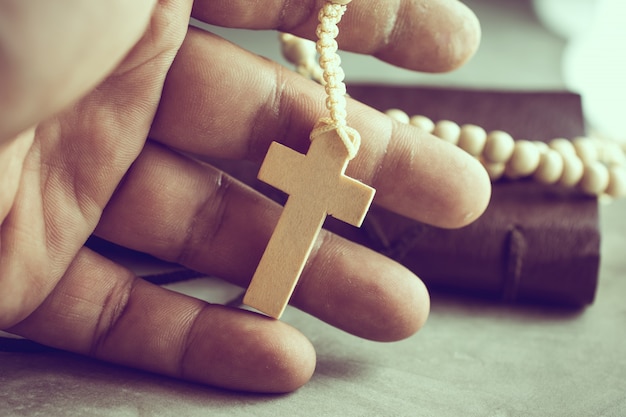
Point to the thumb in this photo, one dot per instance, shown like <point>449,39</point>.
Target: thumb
<point>52,53</point>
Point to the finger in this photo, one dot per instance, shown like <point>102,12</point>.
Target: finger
<point>426,35</point>
<point>215,108</point>
<point>54,52</point>
<point>102,310</point>
<point>186,212</point>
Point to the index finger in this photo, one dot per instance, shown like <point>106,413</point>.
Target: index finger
<point>424,35</point>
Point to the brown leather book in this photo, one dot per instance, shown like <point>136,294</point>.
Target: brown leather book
<point>535,243</point>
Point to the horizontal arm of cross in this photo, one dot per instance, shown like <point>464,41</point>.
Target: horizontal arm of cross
<point>286,160</point>
<point>356,198</point>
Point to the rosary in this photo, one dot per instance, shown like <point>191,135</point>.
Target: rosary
<point>317,185</point>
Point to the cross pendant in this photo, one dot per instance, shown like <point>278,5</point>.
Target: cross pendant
<point>317,186</point>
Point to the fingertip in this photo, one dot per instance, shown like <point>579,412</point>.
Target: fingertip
<point>244,351</point>
<point>453,46</point>
<point>469,194</point>
<point>362,292</point>
<point>464,39</point>
<point>404,309</point>
<point>440,36</point>
<point>290,356</point>
<point>422,177</point>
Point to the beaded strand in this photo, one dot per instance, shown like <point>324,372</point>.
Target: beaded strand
<point>596,166</point>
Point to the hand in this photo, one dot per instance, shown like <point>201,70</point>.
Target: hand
<point>95,113</point>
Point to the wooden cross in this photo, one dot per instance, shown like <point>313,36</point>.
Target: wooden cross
<point>317,186</point>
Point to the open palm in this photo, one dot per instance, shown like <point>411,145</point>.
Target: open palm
<point>104,150</point>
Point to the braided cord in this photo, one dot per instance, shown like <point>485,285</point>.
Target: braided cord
<point>329,17</point>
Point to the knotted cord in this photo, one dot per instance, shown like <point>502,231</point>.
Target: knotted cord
<point>329,17</point>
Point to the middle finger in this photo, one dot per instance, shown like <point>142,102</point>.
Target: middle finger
<point>221,101</point>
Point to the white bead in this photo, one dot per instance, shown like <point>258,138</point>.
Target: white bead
<point>472,139</point>
<point>617,182</point>
<point>296,50</point>
<point>499,146</point>
<point>524,161</point>
<point>423,123</point>
<point>562,146</point>
<point>595,179</point>
<point>495,169</point>
<point>398,115</point>
<point>550,167</point>
<point>610,152</point>
<point>542,146</point>
<point>448,131</point>
<point>572,170</point>
<point>586,150</point>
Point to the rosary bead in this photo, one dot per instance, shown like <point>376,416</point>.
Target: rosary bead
<point>550,167</point>
<point>448,131</point>
<point>472,139</point>
<point>595,179</point>
<point>573,169</point>
<point>423,123</point>
<point>296,50</point>
<point>499,146</point>
<point>398,115</point>
<point>524,161</point>
<point>610,152</point>
<point>586,150</point>
<point>562,146</point>
<point>542,146</point>
<point>617,182</point>
<point>495,170</point>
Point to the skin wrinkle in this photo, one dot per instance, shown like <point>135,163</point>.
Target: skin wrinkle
<point>112,312</point>
<point>220,193</point>
<point>314,261</point>
<point>273,109</point>
<point>58,229</point>
<point>390,28</point>
<point>375,179</point>
<point>282,14</point>
<point>278,118</point>
<point>188,342</point>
